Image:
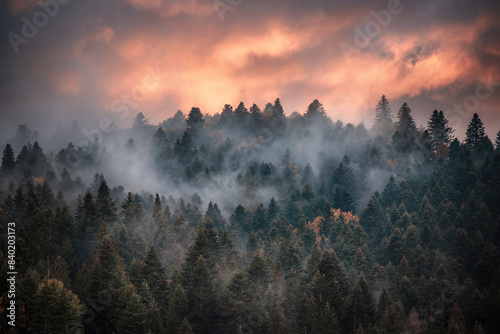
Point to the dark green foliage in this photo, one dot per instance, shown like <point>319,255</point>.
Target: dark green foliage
<point>372,218</point>
<point>476,138</point>
<point>8,161</point>
<point>315,111</point>
<point>330,284</point>
<point>383,118</point>
<point>195,119</point>
<point>390,193</point>
<point>57,308</point>
<point>178,309</point>
<point>343,200</point>
<point>359,306</point>
<point>292,257</point>
<point>153,273</point>
<point>438,128</point>
<point>406,124</point>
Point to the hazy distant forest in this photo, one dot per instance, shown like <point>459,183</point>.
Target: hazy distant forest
<point>255,221</point>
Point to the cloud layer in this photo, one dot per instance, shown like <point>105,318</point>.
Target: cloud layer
<point>91,54</point>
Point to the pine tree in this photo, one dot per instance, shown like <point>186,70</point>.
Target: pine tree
<point>383,117</point>
<point>195,119</point>
<point>438,128</point>
<point>37,162</point>
<point>405,123</point>
<point>238,300</point>
<point>8,161</point>
<point>88,224</point>
<point>202,296</point>
<point>359,307</point>
<point>497,142</point>
<point>389,316</point>
<point>307,175</point>
<point>278,323</point>
<point>258,270</point>
<point>227,115</point>
<point>131,315</point>
<point>177,309</point>
<point>260,220</point>
<point>185,328</point>
<point>56,309</point>
<point>390,193</point>
<point>314,259</point>
<point>315,111</point>
<point>159,142</point>
<point>371,218</point>
<point>475,137</point>
<point>343,200</point>
<point>278,118</point>
<point>104,202</point>
<point>154,275</point>
<point>241,112</point>
<point>330,283</point>
<point>103,278</point>
<point>406,130</point>
<point>256,116</point>
<point>273,210</point>
<point>140,122</point>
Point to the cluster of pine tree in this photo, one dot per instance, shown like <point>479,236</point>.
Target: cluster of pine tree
<point>306,250</point>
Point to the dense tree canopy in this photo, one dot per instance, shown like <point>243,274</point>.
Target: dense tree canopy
<point>256,221</point>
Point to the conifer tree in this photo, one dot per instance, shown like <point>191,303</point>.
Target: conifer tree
<point>497,142</point>
<point>390,193</point>
<point>405,123</point>
<point>105,203</point>
<point>154,275</point>
<point>343,200</point>
<point>177,309</point>
<point>438,128</point>
<point>238,300</point>
<point>185,328</point>
<point>359,307</point>
<point>383,117</point>
<point>476,139</point>
<point>140,122</point>
<point>195,119</point>
<point>330,283</point>
<point>315,111</point>
<point>8,161</point>
<point>56,309</point>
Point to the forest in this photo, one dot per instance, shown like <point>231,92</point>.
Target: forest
<point>254,221</point>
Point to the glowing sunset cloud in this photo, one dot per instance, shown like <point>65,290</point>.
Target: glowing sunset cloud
<point>92,53</point>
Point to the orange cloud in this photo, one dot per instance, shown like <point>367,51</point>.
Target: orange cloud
<point>68,84</point>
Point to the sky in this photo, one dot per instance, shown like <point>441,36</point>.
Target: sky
<point>64,60</point>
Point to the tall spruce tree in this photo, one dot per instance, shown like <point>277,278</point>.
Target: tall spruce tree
<point>475,137</point>
<point>315,111</point>
<point>383,117</point>
<point>8,160</point>
<point>195,119</point>
<point>438,129</point>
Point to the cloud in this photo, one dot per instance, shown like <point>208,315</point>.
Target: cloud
<point>171,8</point>
<point>93,53</point>
<point>18,6</point>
